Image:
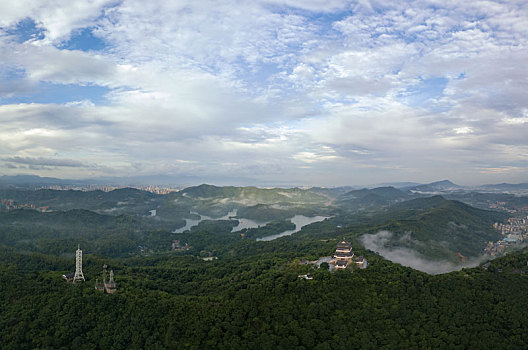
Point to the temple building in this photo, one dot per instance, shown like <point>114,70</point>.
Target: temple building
<point>341,264</point>
<point>361,262</point>
<point>344,256</point>
<point>344,252</point>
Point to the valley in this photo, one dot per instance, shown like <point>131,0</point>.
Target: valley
<point>434,226</point>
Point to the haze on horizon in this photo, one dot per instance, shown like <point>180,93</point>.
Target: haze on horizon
<point>273,91</point>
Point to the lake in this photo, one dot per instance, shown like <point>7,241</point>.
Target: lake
<point>242,223</point>
<point>247,223</point>
<point>300,221</point>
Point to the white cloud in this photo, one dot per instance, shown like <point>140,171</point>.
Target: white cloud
<point>463,130</point>
<point>58,18</point>
<point>516,121</point>
<point>50,64</point>
<point>313,5</point>
<point>272,85</point>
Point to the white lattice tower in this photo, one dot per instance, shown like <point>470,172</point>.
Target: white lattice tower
<point>78,266</point>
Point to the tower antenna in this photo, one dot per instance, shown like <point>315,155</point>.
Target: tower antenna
<point>78,266</point>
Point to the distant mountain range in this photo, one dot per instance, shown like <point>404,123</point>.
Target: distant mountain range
<point>446,186</point>
<point>155,180</point>
<point>391,221</point>
<point>34,180</point>
<point>375,197</point>
<point>253,194</point>
<point>504,187</point>
<point>438,187</point>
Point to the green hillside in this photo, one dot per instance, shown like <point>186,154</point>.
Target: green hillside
<point>371,199</point>
<point>253,194</point>
<point>119,200</point>
<point>258,302</point>
<point>440,228</point>
<point>56,232</point>
<point>249,296</point>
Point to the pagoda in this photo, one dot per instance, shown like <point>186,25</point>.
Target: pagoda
<point>106,286</point>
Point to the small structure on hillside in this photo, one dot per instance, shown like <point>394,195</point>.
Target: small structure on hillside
<point>308,276</point>
<point>361,262</point>
<point>106,286</point>
<point>99,285</point>
<point>177,246</point>
<point>68,277</point>
<point>110,286</point>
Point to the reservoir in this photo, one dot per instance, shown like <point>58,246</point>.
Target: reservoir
<point>242,222</point>
<point>247,223</point>
<point>300,221</point>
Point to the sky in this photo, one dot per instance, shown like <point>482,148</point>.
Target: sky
<point>264,92</point>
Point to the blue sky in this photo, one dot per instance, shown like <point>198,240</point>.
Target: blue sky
<point>309,92</point>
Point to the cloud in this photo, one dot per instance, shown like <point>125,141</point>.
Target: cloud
<point>45,161</point>
<point>407,257</point>
<point>323,154</point>
<point>58,18</point>
<point>463,130</point>
<point>324,91</point>
<point>313,5</point>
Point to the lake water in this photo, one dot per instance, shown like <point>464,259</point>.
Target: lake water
<point>247,223</point>
<point>242,223</point>
<point>189,223</point>
<point>300,221</point>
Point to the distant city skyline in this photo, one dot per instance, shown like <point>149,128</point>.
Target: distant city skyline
<point>322,93</point>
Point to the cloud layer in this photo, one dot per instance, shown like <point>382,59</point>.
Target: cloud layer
<point>408,257</point>
<point>327,93</point>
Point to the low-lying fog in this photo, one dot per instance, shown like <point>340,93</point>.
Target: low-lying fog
<point>408,257</point>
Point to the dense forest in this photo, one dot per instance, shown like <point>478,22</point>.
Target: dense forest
<point>258,302</point>
<point>210,288</point>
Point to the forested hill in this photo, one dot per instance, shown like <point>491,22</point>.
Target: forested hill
<point>372,198</point>
<point>439,228</point>
<point>71,199</point>
<point>57,232</point>
<point>435,227</point>
<point>259,303</point>
<point>210,287</point>
<point>253,195</point>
